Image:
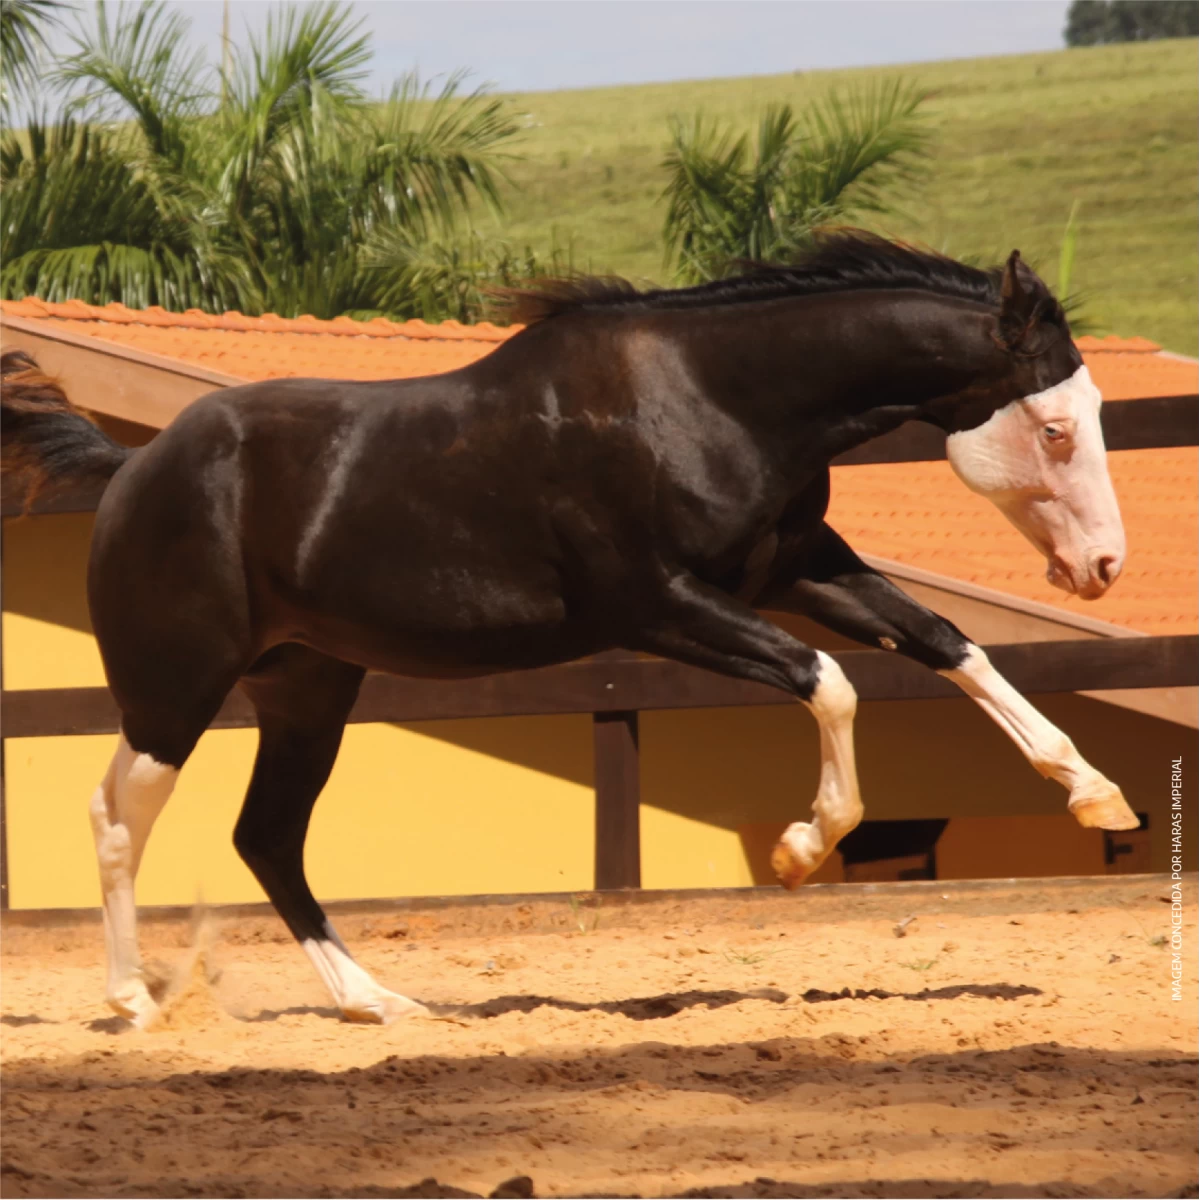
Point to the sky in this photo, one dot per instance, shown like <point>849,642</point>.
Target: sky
<point>533,45</point>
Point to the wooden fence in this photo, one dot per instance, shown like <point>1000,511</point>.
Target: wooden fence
<point>615,687</point>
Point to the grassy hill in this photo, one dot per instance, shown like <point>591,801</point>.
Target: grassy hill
<point>1018,140</point>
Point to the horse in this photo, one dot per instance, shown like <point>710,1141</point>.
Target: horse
<point>637,469</point>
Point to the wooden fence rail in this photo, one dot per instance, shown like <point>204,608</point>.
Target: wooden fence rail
<point>621,683</point>
<point>615,687</point>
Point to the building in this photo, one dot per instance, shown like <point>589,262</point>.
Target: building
<point>717,785</point>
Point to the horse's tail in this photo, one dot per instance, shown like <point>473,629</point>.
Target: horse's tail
<point>47,445</point>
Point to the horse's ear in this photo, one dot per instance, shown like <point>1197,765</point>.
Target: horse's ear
<point>1018,301</point>
<point>1010,289</point>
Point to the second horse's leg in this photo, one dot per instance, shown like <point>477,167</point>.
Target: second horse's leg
<point>303,700</point>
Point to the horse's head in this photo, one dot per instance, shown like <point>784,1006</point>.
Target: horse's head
<point>1029,439</point>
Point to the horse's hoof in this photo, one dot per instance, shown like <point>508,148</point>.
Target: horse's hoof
<point>787,866</point>
<point>1100,805</point>
<point>384,1009</point>
<point>137,1006</point>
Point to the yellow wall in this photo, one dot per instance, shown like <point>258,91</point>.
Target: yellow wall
<point>404,814</point>
<point>47,634</point>
<point>505,805</point>
<point>408,810</point>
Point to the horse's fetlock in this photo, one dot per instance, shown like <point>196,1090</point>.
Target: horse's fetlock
<point>848,817</point>
<point>1055,754</point>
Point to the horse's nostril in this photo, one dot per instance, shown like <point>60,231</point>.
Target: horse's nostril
<point>1106,568</point>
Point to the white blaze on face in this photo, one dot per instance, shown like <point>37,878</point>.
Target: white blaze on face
<point>1041,461</point>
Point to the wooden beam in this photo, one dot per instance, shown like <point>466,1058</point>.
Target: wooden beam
<point>110,379</point>
<point>630,684</point>
<point>3,835</point>
<point>1154,423</point>
<point>106,377</point>
<point>618,800</point>
<point>1157,422</point>
<point>3,769</point>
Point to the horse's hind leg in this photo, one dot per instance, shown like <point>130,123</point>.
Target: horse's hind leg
<point>155,742</point>
<point>123,811</point>
<point>303,699</point>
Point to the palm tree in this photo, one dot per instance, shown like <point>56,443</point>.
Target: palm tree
<point>261,189</point>
<point>459,277</point>
<point>731,199</point>
<point>23,28</point>
<point>78,223</point>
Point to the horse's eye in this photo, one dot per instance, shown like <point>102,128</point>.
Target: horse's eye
<point>1054,433</point>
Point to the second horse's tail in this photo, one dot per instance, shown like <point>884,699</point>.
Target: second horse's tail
<point>47,445</point>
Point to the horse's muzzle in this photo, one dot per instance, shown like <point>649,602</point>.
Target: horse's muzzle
<point>1088,580</point>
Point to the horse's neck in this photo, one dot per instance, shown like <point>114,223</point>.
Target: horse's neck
<point>819,375</point>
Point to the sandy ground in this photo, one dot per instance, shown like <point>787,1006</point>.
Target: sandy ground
<point>1016,1042</point>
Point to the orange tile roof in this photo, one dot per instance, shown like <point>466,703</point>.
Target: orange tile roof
<point>921,515</point>
<point>913,513</point>
<point>1133,368</point>
<point>271,347</point>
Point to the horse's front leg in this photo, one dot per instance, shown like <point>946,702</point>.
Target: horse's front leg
<point>832,585</point>
<point>700,625</point>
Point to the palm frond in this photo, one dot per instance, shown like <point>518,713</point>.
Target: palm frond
<point>862,148</point>
<point>133,59</point>
<point>450,275</point>
<point>261,193</point>
<point>437,152</point>
<point>729,200</point>
<point>80,221</point>
<point>706,195</point>
<point>24,25</point>
<point>302,74</point>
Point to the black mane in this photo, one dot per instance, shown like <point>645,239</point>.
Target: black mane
<point>840,260</point>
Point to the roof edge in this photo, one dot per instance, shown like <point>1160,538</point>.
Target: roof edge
<point>112,380</point>
<point>48,328</point>
<point>237,322</point>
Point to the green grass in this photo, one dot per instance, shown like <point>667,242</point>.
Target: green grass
<point>919,964</point>
<point>1019,140</point>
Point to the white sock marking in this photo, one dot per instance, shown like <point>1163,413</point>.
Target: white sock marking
<point>838,806</point>
<point>354,991</point>
<point>123,811</point>
<point>1047,748</point>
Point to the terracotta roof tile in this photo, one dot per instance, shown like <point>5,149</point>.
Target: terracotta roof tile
<point>1135,376</point>
<point>915,513</point>
<point>194,318</point>
<point>921,515</point>
<point>270,346</point>
<point>1135,345</point>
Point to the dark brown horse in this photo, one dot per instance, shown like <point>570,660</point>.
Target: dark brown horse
<point>638,470</point>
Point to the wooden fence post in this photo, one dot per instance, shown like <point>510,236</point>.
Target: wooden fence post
<point>618,796</point>
<point>3,756</point>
